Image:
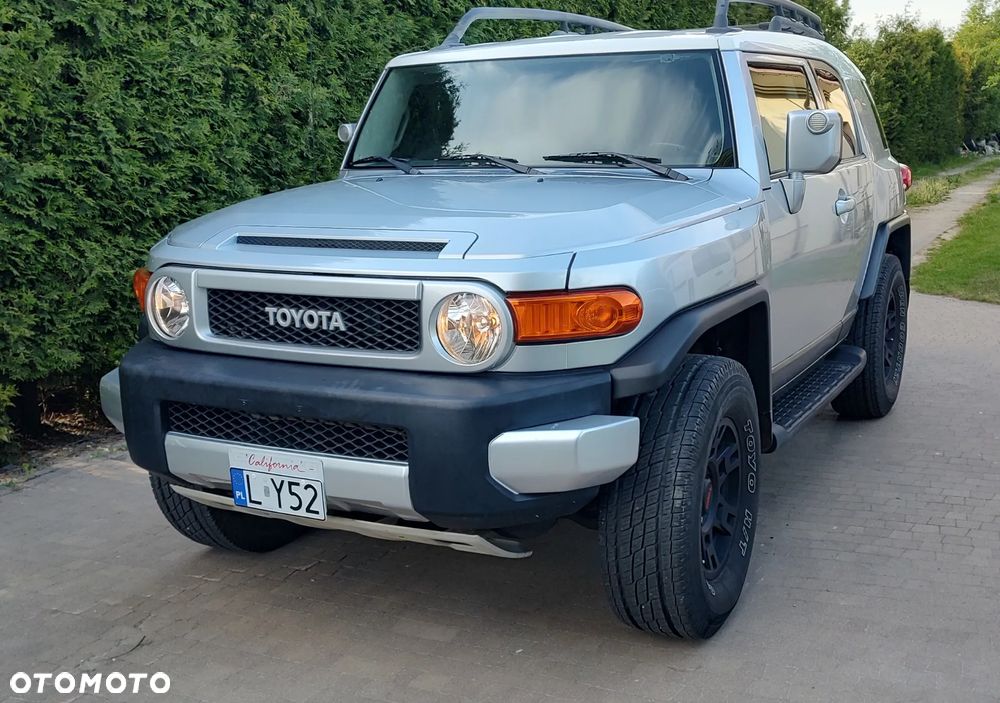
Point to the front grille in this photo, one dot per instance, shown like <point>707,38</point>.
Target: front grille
<point>369,324</point>
<point>346,439</point>
<point>349,244</point>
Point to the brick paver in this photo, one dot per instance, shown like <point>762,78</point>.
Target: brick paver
<point>876,577</point>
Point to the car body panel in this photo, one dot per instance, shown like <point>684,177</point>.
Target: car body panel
<point>510,216</point>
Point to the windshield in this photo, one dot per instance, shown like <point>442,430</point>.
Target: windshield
<point>668,107</point>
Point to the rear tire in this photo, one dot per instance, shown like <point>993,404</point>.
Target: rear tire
<point>880,329</point>
<point>676,531</point>
<point>221,529</point>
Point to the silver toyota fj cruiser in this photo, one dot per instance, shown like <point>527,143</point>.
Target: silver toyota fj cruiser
<point>592,275</point>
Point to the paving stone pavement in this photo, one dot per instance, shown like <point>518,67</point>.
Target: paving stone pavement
<point>876,577</point>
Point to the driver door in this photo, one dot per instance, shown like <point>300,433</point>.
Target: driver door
<point>808,248</point>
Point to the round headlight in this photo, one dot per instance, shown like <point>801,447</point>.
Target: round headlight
<point>470,329</point>
<point>168,307</point>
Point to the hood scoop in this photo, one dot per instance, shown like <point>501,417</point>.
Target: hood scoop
<point>345,244</point>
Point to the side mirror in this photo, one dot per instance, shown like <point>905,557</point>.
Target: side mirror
<point>346,132</point>
<point>815,142</point>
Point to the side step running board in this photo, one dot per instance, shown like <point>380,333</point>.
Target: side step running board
<point>815,390</point>
<point>460,541</point>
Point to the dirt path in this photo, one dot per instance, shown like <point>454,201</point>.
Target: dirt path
<point>939,221</point>
<point>973,163</point>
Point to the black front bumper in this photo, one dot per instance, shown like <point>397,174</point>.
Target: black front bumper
<point>450,419</point>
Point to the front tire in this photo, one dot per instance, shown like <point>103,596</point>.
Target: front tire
<point>221,529</point>
<point>880,329</point>
<point>676,531</point>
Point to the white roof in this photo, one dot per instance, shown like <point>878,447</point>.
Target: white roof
<point>627,42</point>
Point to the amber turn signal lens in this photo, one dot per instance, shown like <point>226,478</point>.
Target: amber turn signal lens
<point>140,279</point>
<point>575,316</point>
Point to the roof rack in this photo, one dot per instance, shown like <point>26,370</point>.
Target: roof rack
<point>566,19</point>
<point>788,17</point>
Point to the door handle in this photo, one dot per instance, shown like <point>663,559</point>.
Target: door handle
<point>845,204</point>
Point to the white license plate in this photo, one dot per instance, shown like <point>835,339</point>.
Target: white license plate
<point>278,483</point>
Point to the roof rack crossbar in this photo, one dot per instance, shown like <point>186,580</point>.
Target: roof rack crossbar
<point>565,19</point>
<point>783,10</point>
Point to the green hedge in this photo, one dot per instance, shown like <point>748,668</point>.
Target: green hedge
<point>979,51</point>
<point>120,119</point>
<point>919,87</point>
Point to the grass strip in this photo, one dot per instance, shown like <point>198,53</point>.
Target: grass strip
<point>935,189</point>
<point>968,266</point>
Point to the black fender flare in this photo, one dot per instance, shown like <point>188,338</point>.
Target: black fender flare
<point>656,359</point>
<point>879,248</point>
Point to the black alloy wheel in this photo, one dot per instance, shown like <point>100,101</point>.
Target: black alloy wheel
<point>720,505</point>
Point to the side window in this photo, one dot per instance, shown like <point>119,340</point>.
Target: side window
<point>869,112</point>
<point>779,90</point>
<point>836,98</point>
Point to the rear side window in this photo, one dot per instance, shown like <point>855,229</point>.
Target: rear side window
<point>779,90</point>
<point>836,98</point>
<point>870,119</point>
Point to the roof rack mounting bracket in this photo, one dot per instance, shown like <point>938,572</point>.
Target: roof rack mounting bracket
<point>566,21</point>
<point>788,17</point>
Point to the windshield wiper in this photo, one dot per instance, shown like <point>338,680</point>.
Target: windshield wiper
<point>495,160</point>
<point>649,163</point>
<point>395,163</point>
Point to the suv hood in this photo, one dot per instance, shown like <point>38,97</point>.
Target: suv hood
<point>496,216</point>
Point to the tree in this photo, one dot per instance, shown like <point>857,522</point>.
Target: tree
<point>978,48</point>
<point>918,85</point>
<point>836,16</point>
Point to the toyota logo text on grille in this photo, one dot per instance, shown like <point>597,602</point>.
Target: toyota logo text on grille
<point>327,320</point>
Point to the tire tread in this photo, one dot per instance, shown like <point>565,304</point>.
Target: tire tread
<point>220,529</point>
<point>865,398</point>
<point>643,530</point>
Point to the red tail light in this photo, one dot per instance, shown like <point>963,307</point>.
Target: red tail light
<point>907,176</point>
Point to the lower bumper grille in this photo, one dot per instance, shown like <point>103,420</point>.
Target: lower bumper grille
<point>345,439</point>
